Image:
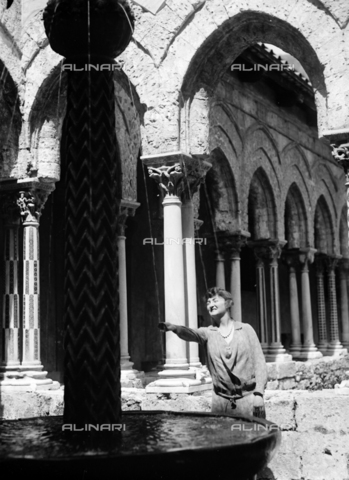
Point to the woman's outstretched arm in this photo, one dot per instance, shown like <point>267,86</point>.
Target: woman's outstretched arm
<point>197,335</point>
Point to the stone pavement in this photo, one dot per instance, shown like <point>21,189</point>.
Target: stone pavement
<point>315,425</point>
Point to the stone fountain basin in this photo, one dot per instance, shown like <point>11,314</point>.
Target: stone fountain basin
<point>154,444</point>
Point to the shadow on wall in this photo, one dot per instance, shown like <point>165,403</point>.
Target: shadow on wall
<point>266,474</point>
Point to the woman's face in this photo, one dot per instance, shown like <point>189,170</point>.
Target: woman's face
<point>216,306</point>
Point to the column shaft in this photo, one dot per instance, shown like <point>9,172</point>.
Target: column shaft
<point>296,345</point>
<point>11,332</point>
<point>176,350</point>
<point>262,306</point>
<point>235,286</point>
<point>334,347</point>
<point>31,297</point>
<point>125,357</point>
<point>190,277</point>
<point>344,308</point>
<point>321,306</point>
<point>309,349</point>
<point>220,270</point>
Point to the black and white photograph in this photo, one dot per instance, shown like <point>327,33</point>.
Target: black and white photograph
<point>174,239</point>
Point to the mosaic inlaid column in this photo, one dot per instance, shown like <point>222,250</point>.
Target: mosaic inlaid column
<point>238,240</point>
<point>343,275</point>
<point>262,302</point>
<point>321,306</point>
<point>276,351</point>
<point>296,344</point>
<point>334,347</point>
<point>127,210</point>
<point>31,204</point>
<point>11,330</point>
<point>309,349</point>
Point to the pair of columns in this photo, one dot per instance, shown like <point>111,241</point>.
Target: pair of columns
<point>270,331</point>
<point>21,333</point>
<point>178,176</point>
<point>329,342</point>
<point>231,244</point>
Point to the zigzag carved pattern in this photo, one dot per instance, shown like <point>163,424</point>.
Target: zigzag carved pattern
<point>92,352</point>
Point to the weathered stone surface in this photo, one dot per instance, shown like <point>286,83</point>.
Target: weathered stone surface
<point>322,411</point>
<point>178,402</point>
<point>280,408</point>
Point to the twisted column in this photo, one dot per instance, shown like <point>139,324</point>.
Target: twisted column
<point>334,347</point>
<point>321,306</point>
<point>309,349</point>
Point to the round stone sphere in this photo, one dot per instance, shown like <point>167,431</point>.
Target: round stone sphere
<point>78,28</point>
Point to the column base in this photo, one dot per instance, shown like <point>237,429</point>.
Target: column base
<point>180,385</point>
<point>278,357</point>
<point>265,348</point>
<point>125,364</point>
<point>322,347</point>
<point>309,352</point>
<point>132,379</point>
<point>182,374</point>
<point>30,367</point>
<point>295,350</point>
<point>26,381</point>
<point>175,366</point>
<point>335,348</point>
<point>195,364</point>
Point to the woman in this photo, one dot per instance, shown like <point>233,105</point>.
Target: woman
<point>234,355</point>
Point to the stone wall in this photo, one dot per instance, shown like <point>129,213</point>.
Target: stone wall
<point>314,425</point>
<point>320,374</point>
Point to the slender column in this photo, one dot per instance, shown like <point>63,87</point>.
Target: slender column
<point>168,178</point>
<point>220,270</point>
<point>276,351</point>
<point>31,204</point>
<point>334,347</point>
<point>190,277</point>
<point>343,274</point>
<point>321,306</point>
<point>296,345</point>
<point>237,242</point>
<point>262,304</point>
<point>127,209</point>
<point>11,332</point>
<point>309,349</point>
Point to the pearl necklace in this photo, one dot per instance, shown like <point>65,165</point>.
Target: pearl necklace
<point>226,336</point>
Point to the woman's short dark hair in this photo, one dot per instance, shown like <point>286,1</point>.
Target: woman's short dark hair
<point>212,292</point>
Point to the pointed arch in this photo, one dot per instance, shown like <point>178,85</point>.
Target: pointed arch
<point>262,216</point>
<point>323,228</point>
<point>222,194</point>
<point>296,222</point>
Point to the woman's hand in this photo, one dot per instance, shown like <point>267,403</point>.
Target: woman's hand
<point>258,406</point>
<point>165,326</point>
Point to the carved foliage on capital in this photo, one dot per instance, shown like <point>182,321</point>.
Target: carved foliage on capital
<point>268,251</point>
<point>331,264</point>
<point>195,172</point>
<point>125,212</point>
<point>341,155</point>
<point>31,203</point>
<point>168,178</point>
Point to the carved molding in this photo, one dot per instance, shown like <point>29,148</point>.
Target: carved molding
<point>127,209</point>
<point>168,178</point>
<point>31,204</point>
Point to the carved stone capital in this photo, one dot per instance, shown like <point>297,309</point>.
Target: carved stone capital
<point>291,257</point>
<point>268,250</point>
<point>331,263</point>
<point>307,255</point>
<point>341,154</point>
<point>168,178</point>
<point>31,203</point>
<point>127,209</point>
<point>195,171</point>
